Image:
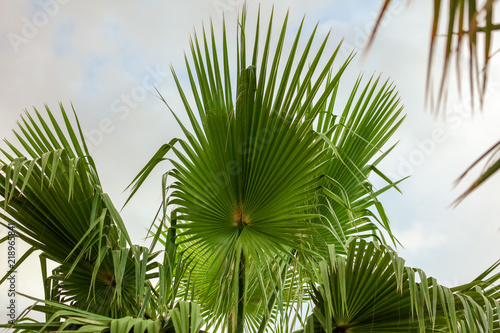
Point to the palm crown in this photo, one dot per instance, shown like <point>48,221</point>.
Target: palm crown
<point>267,208</point>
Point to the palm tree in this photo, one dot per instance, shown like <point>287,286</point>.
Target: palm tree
<point>267,210</point>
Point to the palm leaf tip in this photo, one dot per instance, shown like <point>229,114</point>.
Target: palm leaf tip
<point>468,28</point>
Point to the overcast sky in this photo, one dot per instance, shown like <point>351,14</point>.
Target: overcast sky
<point>105,57</point>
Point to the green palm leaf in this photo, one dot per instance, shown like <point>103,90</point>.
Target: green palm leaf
<point>53,196</point>
<point>370,290</point>
<point>467,22</point>
<point>354,141</point>
<point>247,179</point>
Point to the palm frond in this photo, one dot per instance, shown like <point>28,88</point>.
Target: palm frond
<point>469,29</point>
<point>370,290</point>
<point>51,192</point>
<point>245,174</point>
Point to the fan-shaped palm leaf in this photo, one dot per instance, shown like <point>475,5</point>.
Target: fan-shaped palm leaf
<point>247,178</point>
<point>53,196</point>
<point>370,290</point>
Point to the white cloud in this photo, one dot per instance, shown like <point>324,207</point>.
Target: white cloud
<point>418,238</point>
